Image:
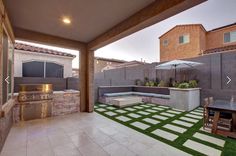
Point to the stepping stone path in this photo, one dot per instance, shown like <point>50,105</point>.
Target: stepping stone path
<point>147,106</point>
<point>138,117</point>
<point>101,109</point>
<point>175,128</point>
<point>165,107</point>
<point>110,113</point>
<point>210,139</point>
<point>133,115</point>
<point>138,107</point>
<point>121,111</point>
<point>178,110</point>
<point>194,116</point>
<point>130,109</point>
<point>199,108</point>
<point>189,119</point>
<point>196,113</point>
<point>151,121</point>
<point>182,123</point>
<point>160,117</point>
<point>156,108</point>
<point>150,110</point>
<point>143,113</point>
<point>196,110</point>
<point>167,114</point>
<point>173,112</point>
<point>140,125</point>
<point>150,104</point>
<point>204,149</point>
<point>123,118</point>
<point>164,134</point>
<point>208,130</point>
<point>111,108</point>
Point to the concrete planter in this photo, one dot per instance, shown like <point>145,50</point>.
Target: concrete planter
<point>185,99</point>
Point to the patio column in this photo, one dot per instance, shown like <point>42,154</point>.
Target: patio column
<point>86,77</point>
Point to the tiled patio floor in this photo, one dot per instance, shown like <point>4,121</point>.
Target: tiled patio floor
<point>83,134</point>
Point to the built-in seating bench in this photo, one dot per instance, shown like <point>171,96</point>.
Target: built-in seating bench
<point>158,95</point>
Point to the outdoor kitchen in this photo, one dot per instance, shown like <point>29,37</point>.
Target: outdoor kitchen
<point>36,101</point>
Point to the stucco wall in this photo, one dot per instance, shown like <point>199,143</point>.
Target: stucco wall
<point>174,50</point>
<point>25,56</point>
<point>215,38</point>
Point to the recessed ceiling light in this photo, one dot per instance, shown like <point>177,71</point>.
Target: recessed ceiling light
<point>66,20</point>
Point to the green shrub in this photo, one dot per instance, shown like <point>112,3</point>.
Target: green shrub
<point>161,84</point>
<point>183,85</point>
<point>192,83</point>
<point>176,84</point>
<point>155,84</point>
<point>151,83</point>
<point>147,84</point>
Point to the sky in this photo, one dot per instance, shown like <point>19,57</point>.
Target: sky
<point>145,43</point>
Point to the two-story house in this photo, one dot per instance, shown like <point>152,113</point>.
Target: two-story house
<point>192,40</point>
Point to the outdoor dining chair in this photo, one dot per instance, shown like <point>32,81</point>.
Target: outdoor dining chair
<point>224,122</point>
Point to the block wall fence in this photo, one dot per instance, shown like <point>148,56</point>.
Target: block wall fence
<point>212,75</point>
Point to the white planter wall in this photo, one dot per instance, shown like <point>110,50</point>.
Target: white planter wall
<point>185,99</point>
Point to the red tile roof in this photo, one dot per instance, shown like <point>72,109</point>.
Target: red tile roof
<point>220,49</point>
<point>30,48</point>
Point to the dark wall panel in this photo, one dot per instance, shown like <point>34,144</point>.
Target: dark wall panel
<point>58,83</point>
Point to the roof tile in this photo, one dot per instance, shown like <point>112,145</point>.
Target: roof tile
<point>30,48</point>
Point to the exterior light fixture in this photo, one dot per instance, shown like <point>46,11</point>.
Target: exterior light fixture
<point>66,20</point>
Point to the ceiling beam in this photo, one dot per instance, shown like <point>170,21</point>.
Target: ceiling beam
<point>36,37</point>
<point>152,14</point>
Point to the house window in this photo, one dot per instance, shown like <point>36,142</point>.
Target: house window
<point>165,43</point>
<point>184,39</point>
<point>230,37</point>
<point>42,69</point>
<point>33,69</point>
<point>54,70</point>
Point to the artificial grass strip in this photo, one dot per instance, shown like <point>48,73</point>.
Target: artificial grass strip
<point>229,148</point>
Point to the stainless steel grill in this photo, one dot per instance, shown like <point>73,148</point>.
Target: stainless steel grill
<point>35,101</point>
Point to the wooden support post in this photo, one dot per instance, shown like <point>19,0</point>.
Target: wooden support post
<point>86,80</point>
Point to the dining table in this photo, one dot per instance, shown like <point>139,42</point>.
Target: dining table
<point>219,106</point>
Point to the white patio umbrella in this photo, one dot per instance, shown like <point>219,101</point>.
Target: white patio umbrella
<point>177,64</point>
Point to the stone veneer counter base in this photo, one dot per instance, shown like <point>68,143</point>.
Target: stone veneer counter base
<point>64,102</point>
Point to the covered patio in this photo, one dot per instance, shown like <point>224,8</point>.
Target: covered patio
<point>89,26</point>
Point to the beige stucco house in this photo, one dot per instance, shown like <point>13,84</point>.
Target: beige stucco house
<point>44,62</point>
<point>192,40</point>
